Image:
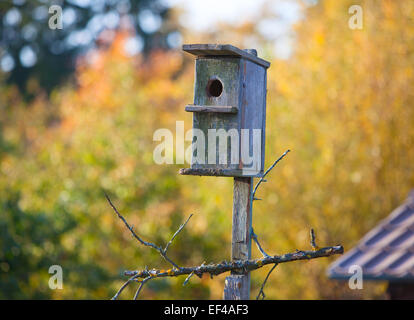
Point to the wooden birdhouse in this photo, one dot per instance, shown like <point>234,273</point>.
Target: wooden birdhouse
<point>229,111</point>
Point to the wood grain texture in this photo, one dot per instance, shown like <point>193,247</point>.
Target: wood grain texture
<point>204,109</point>
<point>253,109</point>
<point>217,172</point>
<point>227,71</point>
<point>234,286</point>
<point>242,224</point>
<point>224,50</point>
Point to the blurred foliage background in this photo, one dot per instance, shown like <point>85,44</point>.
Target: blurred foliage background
<point>342,101</point>
<point>33,50</point>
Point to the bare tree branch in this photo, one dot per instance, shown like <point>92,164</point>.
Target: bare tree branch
<point>313,245</point>
<point>262,179</point>
<point>253,235</point>
<point>188,278</point>
<point>237,266</point>
<point>312,240</point>
<point>140,287</point>
<point>261,292</point>
<point>124,286</point>
<point>162,252</point>
<point>214,269</point>
<point>177,232</point>
<point>256,240</point>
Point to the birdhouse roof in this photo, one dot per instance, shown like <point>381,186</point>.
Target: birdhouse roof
<point>386,252</point>
<point>202,50</point>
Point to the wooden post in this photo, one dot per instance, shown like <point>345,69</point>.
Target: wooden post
<point>237,285</point>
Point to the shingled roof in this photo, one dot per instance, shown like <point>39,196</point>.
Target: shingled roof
<point>386,252</point>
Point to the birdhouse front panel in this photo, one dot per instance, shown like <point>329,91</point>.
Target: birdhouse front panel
<point>217,85</point>
<point>229,112</point>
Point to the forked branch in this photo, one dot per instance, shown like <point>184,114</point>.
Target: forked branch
<point>162,252</point>
<point>213,269</point>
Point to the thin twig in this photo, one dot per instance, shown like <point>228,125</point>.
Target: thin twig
<point>188,278</point>
<point>256,240</point>
<point>253,235</point>
<point>262,179</point>
<point>313,240</point>
<point>140,287</point>
<point>145,243</point>
<point>261,292</point>
<point>124,286</point>
<point>176,233</point>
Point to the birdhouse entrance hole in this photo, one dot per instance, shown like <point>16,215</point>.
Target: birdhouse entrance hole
<point>214,88</point>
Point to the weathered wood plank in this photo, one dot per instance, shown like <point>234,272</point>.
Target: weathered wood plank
<point>220,109</point>
<point>213,171</point>
<point>242,223</point>
<point>253,111</point>
<point>234,286</point>
<point>227,71</point>
<point>223,50</point>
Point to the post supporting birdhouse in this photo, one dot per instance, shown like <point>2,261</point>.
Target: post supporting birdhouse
<point>237,285</point>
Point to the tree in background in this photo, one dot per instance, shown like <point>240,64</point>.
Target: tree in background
<point>344,104</point>
<point>30,49</point>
